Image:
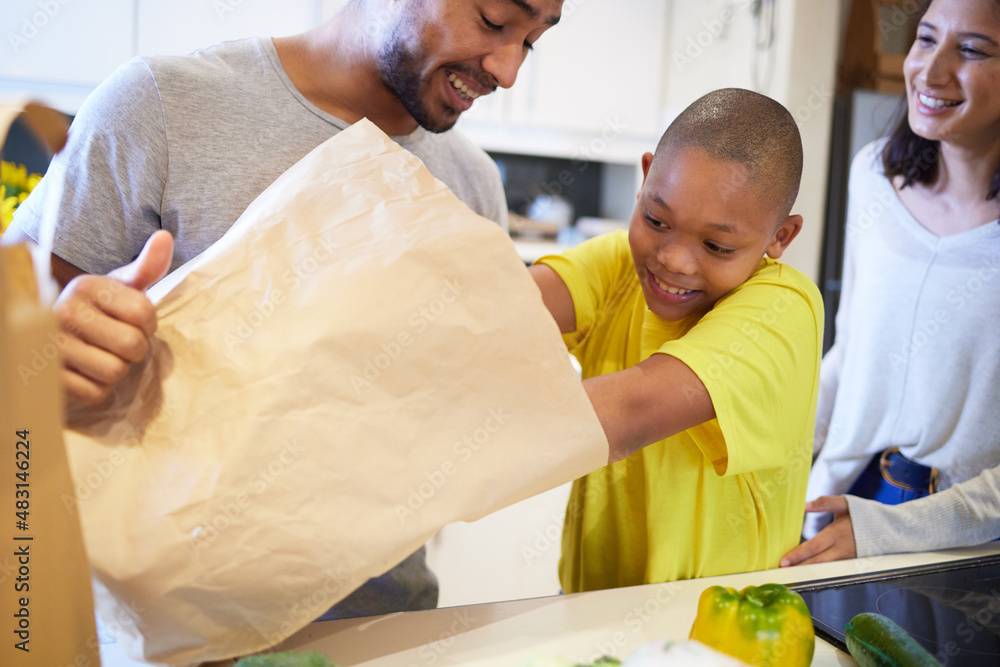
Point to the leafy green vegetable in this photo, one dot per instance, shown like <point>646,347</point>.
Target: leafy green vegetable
<point>289,659</point>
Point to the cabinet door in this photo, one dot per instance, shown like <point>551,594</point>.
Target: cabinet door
<point>601,67</point>
<point>64,42</point>
<point>182,26</point>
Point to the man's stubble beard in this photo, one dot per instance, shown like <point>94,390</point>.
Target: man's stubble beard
<point>399,69</point>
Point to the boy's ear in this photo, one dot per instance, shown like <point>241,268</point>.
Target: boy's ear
<point>647,160</point>
<point>787,231</point>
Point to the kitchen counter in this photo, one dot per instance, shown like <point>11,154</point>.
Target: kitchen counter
<point>579,627</point>
<point>531,250</point>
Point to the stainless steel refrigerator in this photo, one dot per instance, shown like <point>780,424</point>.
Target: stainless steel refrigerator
<point>859,117</point>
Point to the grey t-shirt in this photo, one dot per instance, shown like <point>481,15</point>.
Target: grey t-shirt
<point>186,143</point>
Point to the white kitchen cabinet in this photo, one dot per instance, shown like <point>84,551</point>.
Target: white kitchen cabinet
<point>602,65</point>
<point>592,89</point>
<point>62,42</point>
<point>511,554</point>
<point>182,26</point>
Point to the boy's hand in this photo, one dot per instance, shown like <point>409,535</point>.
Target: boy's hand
<point>107,322</point>
<point>835,542</point>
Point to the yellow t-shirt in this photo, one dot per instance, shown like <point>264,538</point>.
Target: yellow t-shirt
<point>725,496</point>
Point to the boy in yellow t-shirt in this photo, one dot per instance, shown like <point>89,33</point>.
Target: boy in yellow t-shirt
<point>694,338</point>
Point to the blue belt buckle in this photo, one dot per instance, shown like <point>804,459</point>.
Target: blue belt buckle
<point>905,474</point>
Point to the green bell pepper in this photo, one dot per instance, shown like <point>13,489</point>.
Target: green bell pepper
<point>764,626</point>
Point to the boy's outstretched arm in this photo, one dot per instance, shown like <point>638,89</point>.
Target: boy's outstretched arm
<point>653,400</point>
<point>638,406</point>
<point>556,296</point>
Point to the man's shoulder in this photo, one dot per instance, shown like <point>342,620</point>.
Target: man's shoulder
<point>457,147</point>
<point>465,168</point>
<point>230,58</point>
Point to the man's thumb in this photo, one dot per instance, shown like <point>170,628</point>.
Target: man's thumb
<point>151,264</point>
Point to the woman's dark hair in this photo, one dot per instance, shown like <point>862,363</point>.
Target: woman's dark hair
<point>911,156</point>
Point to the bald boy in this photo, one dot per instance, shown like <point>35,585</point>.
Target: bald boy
<point>700,353</point>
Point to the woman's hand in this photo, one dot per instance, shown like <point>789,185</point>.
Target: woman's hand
<point>835,542</point>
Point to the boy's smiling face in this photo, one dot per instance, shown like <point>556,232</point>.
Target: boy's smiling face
<point>699,230</point>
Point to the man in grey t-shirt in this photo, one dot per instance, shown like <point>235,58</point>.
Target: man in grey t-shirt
<point>169,151</point>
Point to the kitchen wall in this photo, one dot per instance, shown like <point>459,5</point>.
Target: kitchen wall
<point>718,43</point>
<point>600,87</point>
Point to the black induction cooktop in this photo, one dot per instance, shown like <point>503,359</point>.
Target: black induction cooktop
<point>952,608</point>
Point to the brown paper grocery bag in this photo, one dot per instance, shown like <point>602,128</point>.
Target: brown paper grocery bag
<point>359,361</point>
<point>46,606</point>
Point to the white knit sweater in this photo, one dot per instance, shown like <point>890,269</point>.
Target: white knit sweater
<point>915,364</point>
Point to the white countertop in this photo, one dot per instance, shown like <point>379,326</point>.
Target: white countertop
<point>531,249</point>
<point>578,627</point>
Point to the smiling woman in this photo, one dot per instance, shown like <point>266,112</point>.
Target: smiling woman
<point>907,424</point>
<point>952,99</point>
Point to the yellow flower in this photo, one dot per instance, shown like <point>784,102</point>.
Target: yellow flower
<point>15,186</point>
<point>7,206</point>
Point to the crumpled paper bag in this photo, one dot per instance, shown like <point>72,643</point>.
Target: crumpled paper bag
<point>45,597</point>
<point>359,361</point>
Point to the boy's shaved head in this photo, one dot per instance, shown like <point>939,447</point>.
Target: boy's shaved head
<point>749,129</point>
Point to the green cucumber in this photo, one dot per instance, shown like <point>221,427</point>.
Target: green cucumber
<point>288,659</point>
<point>876,641</point>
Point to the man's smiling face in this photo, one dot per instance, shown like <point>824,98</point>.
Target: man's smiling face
<point>441,55</point>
